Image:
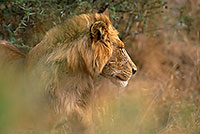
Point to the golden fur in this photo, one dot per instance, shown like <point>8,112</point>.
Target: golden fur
<point>70,56</point>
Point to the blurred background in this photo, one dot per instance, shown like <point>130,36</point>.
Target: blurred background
<point>161,36</point>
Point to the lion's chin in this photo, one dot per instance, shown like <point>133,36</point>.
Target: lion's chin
<point>120,83</point>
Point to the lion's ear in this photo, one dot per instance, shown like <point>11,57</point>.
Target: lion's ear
<point>106,12</point>
<point>98,30</point>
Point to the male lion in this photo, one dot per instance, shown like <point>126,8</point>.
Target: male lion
<point>68,59</point>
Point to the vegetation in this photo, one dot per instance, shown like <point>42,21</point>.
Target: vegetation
<point>162,37</point>
<point>24,22</point>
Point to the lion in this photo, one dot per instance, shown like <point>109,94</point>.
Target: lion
<point>69,58</point>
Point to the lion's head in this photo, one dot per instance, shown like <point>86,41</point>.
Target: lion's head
<point>104,53</point>
<point>119,66</point>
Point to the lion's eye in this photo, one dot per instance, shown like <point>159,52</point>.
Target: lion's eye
<point>122,50</point>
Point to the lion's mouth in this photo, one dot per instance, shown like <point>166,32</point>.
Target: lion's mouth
<point>119,81</point>
<point>120,78</point>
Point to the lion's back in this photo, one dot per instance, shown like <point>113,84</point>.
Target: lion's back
<point>10,56</point>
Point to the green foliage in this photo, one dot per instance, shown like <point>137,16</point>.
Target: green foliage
<point>24,22</point>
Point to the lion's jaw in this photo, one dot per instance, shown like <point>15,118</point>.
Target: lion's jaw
<point>116,79</point>
<point>118,82</point>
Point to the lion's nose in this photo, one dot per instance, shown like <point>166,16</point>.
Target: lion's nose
<point>134,70</point>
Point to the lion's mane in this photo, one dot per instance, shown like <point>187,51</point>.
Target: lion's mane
<point>68,58</point>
